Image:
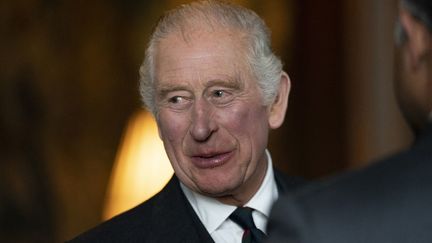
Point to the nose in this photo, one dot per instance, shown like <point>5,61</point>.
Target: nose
<point>202,124</point>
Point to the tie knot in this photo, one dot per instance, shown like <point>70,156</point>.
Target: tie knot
<point>243,217</point>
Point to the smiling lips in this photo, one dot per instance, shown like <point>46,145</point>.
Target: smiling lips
<point>211,160</point>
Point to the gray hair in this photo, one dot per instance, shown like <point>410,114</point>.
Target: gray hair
<point>418,11</point>
<point>265,65</point>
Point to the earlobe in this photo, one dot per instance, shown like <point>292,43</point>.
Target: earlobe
<point>279,106</point>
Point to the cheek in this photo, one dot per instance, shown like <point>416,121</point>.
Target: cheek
<point>171,127</point>
<point>245,120</point>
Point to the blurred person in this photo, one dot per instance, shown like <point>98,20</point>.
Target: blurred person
<point>390,201</point>
<point>215,88</point>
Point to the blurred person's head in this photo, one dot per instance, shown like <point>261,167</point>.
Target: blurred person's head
<point>414,37</point>
<point>215,88</point>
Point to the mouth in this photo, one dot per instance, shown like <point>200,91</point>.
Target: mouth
<point>211,160</point>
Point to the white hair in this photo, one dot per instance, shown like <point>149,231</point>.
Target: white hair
<point>265,65</point>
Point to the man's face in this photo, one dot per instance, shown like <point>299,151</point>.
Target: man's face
<point>411,84</point>
<point>210,113</point>
<point>405,88</point>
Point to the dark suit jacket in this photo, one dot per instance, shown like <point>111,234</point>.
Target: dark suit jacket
<point>391,201</point>
<point>166,217</point>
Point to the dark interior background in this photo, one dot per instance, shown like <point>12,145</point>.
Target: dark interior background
<point>68,85</point>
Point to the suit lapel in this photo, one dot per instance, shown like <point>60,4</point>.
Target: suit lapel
<point>175,218</point>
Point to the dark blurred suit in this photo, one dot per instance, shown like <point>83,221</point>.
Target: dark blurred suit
<point>389,202</point>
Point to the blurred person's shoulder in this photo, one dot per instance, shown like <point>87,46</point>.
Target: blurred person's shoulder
<point>358,205</point>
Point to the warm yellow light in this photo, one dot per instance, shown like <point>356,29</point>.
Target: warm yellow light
<point>141,168</point>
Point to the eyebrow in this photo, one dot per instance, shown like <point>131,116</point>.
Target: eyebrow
<point>230,82</point>
<point>165,89</point>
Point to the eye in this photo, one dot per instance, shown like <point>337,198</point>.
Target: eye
<point>175,99</point>
<point>221,96</point>
<point>218,93</point>
<point>178,101</point>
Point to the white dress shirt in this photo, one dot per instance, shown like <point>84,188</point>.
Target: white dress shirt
<point>214,214</point>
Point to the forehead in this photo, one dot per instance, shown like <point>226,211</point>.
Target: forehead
<point>201,54</point>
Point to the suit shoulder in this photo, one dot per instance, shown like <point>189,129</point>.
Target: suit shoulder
<point>400,174</point>
<point>390,194</point>
<point>133,224</point>
<point>120,227</point>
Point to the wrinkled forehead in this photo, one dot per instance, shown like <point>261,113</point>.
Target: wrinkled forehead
<point>203,54</point>
<point>194,32</point>
<point>200,42</point>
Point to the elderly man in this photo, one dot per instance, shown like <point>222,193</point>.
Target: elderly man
<point>392,200</point>
<point>216,89</point>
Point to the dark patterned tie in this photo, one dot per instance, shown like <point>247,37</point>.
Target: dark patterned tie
<point>243,217</point>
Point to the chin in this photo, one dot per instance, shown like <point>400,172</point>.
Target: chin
<point>415,118</point>
<point>217,189</point>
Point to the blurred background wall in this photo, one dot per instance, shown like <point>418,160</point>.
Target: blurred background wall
<point>68,86</point>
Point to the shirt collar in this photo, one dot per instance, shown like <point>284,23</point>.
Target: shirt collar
<point>264,198</point>
<point>213,213</point>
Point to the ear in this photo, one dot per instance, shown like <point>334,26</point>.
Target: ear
<point>418,43</point>
<point>279,106</point>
